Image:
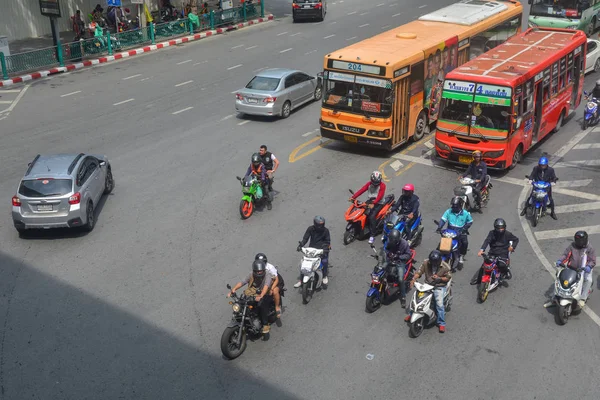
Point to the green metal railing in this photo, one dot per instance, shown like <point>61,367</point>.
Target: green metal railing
<point>77,51</point>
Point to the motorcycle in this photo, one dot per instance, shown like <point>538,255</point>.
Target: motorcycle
<point>358,221</point>
<point>245,321</point>
<point>384,282</point>
<point>422,307</point>
<point>590,112</point>
<point>567,293</point>
<point>449,247</point>
<point>398,222</point>
<point>465,192</point>
<point>491,278</point>
<point>311,270</point>
<point>538,201</point>
<point>254,194</point>
<point>99,43</point>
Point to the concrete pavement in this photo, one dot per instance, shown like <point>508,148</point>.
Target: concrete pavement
<point>137,307</point>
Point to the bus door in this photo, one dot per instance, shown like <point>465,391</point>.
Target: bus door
<point>537,110</point>
<point>401,111</point>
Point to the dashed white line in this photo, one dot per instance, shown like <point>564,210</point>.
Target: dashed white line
<point>363,25</point>
<point>395,15</point>
<point>250,48</point>
<point>423,6</point>
<point>334,22</point>
<point>385,27</point>
<point>183,62</point>
<point>379,5</point>
<point>180,111</point>
<point>227,117</point>
<point>351,38</point>
<point>310,133</point>
<point>286,50</point>
<point>144,79</point>
<point>64,95</point>
<point>282,33</point>
<point>201,62</point>
<point>237,47</point>
<point>365,13</point>
<point>309,52</point>
<point>260,69</point>
<point>123,102</point>
<point>132,76</point>
<point>244,122</point>
<point>351,13</point>
<point>329,36</point>
<point>296,34</point>
<point>183,83</point>
<point>234,67</point>
<point>393,5</point>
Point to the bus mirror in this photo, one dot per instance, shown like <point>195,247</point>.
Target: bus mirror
<point>504,114</point>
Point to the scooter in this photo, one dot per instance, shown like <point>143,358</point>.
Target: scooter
<point>422,307</point>
<point>358,226</point>
<point>538,200</point>
<point>311,271</point>
<point>465,192</point>
<point>398,222</point>
<point>590,112</point>
<point>567,293</point>
<point>384,282</point>
<point>449,247</point>
<point>491,278</point>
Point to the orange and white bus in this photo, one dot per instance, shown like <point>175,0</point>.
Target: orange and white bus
<point>384,90</point>
<point>506,100</point>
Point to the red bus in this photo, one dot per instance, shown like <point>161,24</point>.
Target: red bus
<point>506,100</point>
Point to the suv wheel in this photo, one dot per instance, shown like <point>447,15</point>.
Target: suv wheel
<point>90,220</point>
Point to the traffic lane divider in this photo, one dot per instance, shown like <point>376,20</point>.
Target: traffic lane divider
<point>130,53</point>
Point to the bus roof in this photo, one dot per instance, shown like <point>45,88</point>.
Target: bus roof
<point>406,43</point>
<point>526,53</point>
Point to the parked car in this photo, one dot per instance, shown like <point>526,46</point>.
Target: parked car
<point>61,191</point>
<point>309,9</point>
<point>592,57</point>
<point>278,91</point>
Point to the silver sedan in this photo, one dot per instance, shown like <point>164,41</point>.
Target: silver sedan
<point>277,91</point>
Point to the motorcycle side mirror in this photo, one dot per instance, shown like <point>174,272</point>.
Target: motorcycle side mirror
<point>584,92</point>
<point>435,221</point>
<point>350,190</point>
<point>238,178</point>
<point>527,176</point>
<point>228,286</point>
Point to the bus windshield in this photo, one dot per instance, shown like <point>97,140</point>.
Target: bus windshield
<point>556,8</point>
<point>358,94</point>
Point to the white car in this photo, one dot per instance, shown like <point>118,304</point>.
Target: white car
<point>592,58</point>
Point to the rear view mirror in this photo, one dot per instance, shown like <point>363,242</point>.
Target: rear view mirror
<point>102,163</point>
<point>228,286</point>
<point>350,190</point>
<point>504,113</point>
<point>436,222</point>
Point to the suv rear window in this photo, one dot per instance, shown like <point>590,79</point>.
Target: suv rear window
<point>263,83</point>
<point>45,187</point>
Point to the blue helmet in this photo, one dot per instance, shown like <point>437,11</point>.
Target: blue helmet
<point>543,161</point>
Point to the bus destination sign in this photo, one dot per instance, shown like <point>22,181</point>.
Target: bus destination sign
<point>354,67</point>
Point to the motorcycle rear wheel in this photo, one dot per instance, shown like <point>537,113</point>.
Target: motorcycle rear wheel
<point>584,125</point>
<point>307,292</point>
<point>228,347</point>
<point>372,304</point>
<point>416,328</point>
<point>561,316</point>
<point>349,237</point>
<point>246,209</point>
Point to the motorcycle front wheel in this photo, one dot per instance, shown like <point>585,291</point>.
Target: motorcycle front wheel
<point>416,328</point>
<point>372,304</point>
<point>349,237</point>
<point>561,316</point>
<point>228,342</point>
<point>307,292</point>
<point>482,292</point>
<point>246,209</point>
<point>584,125</point>
<point>535,217</point>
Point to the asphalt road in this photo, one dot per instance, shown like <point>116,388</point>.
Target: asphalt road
<point>136,308</point>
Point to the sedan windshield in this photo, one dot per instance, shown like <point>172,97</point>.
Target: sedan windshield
<point>360,95</point>
<point>263,83</point>
<point>556,8</point>
<point>45,187</point>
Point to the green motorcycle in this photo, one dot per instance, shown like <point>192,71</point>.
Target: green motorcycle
<point>253,194</point>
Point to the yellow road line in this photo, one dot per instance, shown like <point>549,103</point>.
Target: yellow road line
<point>382,169</point>
<point>294,157</point>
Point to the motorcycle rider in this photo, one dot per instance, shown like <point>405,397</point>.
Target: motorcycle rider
<point>407,206</point>
<point>277,285</point>
<point>270,162</point>
<point>397,251</point>
<point>543,172</point>
<point>499,241</point>
<point>257,168</point>
<point>319,239</point>
<point>375,189</point>
<point>596,91</point>
<point>478,171</point>
<point>258,280</point>
<point>573,258</point>
<point>437,273</point>
<point>459,220</point>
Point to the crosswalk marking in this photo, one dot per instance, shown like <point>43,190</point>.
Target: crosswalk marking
<point>587,146</point>
<point>578,207</point>
<point>565,233</point>
<point>577,164</point>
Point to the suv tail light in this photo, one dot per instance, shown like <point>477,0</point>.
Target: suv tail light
<point>16,201</point>
<point>75,199</point>
<point>270,99</point>
<point>318,5</point>
<point>294,5</point>
<point>239,96</point>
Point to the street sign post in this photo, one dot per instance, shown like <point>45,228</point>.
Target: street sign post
<point>50,8</point>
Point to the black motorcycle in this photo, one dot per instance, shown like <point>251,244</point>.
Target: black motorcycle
<point>245,321</point>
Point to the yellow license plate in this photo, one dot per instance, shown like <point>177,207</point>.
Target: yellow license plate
<point>465,159</point>
<point>350,139</point>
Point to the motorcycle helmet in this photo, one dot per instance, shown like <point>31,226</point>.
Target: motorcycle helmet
<point>581,239</point>
<point>499,226</point>
<point>456,204</point>
<point>435,259</point>
<point>408,189</point>
<point>256,161</point>
<point>476,155</point>
<point>261,256</point>
<point>543,162</point>
<point>259,268</point>
<point>394,238</point>
<point>319,222</point>
<point>376,178</point>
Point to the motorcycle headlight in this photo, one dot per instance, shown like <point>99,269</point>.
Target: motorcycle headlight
<point>236,307</point>
<point>420,294</point>
<point>540,195</point>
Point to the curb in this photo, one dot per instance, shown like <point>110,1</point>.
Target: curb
<point>130,53</point>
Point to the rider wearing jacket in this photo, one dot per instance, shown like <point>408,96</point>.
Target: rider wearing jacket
<point>397,252</point>
<point>499,241</point>
<point>258,168</point>
<point>319,238</point>
<point>459,220</point>
<point>270,162</point>
<point>543,172</point>
<point>407,206</point>
<point>575,255</point>
<point>375,189</point>
<point>478,171</point>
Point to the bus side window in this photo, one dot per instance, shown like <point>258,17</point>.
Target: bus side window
<point>562,76</point>
<point>518,109</point>
<point>546,86</point>
<point>554,79</point>
<point>570,68</point>
<point>528,99</point>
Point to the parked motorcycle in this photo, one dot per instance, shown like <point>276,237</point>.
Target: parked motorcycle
<point>449,247</point>
<point>465,192</point>
<point>311,271</point>
<point>567,293</point>
<point>398,222</point>
<point>253,195</point>
<point>491,278</point>
<point>358,221</point>
<point>422,307</point>
<point>538,201</point>
<point>384,281</point>
<point>590,112</point>
<point>245,321</point>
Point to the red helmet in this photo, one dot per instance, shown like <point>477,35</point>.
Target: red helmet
<point>409,186</point>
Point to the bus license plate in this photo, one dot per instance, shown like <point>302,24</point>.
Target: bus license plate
<point>350,139</point>
<point>465,159</point>
<point>44,207</point>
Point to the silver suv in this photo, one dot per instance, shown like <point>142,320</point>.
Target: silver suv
<point>61,191</point>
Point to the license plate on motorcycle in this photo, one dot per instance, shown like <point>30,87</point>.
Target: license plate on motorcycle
<point>350,139</point>
<point>465,159</point>
<point>44,207</point>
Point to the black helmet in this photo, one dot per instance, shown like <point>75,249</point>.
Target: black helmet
<point>456,204</point>
<point>261,256</point>
<point>435,258</point>
<point>580,239</point>
<point>259,268</point>
<point>499,225</point>
<point>319,222</point>
<point>256,160</point>
<point>394,238</point>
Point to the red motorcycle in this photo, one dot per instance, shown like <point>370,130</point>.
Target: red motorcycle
<point>358,226</point>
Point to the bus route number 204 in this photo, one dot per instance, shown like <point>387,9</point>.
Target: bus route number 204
<point>354,67</point>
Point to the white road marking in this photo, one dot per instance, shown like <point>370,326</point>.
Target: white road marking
<point>259,69</point>
<point>576,183</point>
<point>396,165</point>
<point>183,83</point>
<point>351,13</point>
<point>16,100</point>
<point>385,27</point>
<point>296,34</point>
<point>423,6</point>
<point>132,76</point>
<point>282,33</point>
<point>565,233</point>
<point>10,101</point>
<point>287,15</point>
<point>353,37</point>
<point>201,62</point>
<point>429,145</point>
<point>144,79</point>
<point>180,111</point>
<point>365,13</point>
<point>237,47</point>
<point>286,50</point>
<point>395,15</point>
<point>595,205</point>
<point>363,25</point>
<point>183,62</point>
<point>67,94</point>
<point>379,5</point>
<point>244,122</point>
<point>250,48</point>
<point>330,36</point>
<point>234,67</point>
<point>123,102</point>
<point>311,132</point>
<point>393,5</point>
<point>587,146</point>
<point>10,91</point>
<point>334,22</point>
<point>577,164</point>
<point>227,117</point>
<point>569,145</point>
<point>309,52</point>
